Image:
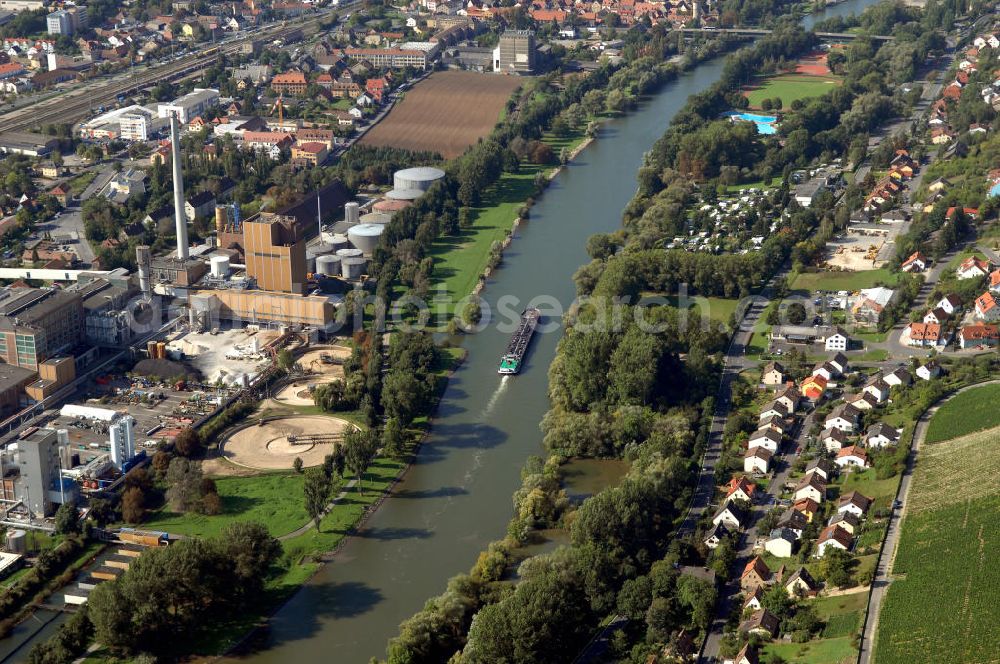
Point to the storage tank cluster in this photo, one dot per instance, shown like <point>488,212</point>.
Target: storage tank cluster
<point>410,183</point>
<point>314,252</point>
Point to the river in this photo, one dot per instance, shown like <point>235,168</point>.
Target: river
<point>457,495</point>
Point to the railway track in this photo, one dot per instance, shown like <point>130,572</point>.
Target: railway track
<point>78,103</point>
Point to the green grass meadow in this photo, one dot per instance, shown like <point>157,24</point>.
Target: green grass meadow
<point>791,87</point>
<point>850,281</point>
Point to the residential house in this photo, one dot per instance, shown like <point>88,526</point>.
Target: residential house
<point>881,435</point>
<point>774,374</point>
<point>836,341</point>
<point>839,361</point>
<point>811,486</point>
<point>975,336</point>
<point>844,417</point>
<point>825,369</point>
<point>936,316</point>
<point>309,154</point>
<point>813,387</point>
<point>793,520</point>
<point>776,423</point>
<point>986,307</point>
<point>753,600</point>
<point>800,583</point>
<point>832,537</point>
<point>63,194</point>
<point>852,457</point>
<point>877,387</point>
<point>731,516</point>
<point>871,303</point>
<point>762,623</point>
<point>917,262</point>
<point>923,335</point>
<point>780,543</point>
<point>747,655</point>
<point>931,369</point>
<point>973,267</point>
<point>862,401</point>
<point>789,397</point>
<point>897,377</point>
<point>715,536</point>
<point>775,408</point>
<point>995,281</point>
<point>855,503</point>
<point>833,439</point>
<point>200,205</point>
<point>846,520</point>
<point>757,460</point>
<point>950,304</point>
<point>740,489</point>
<point>822,467</point>
<point>755,574</point>
<point>807,507</point>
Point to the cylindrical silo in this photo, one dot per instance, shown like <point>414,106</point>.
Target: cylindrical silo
<point>339,241</point>
<point>365,237</point>
<point>420,178</point>
<point>348,253</point>
<point>352,211</point>
<point>17,541</point>
<point>219,266</point>
<point>352,267</point>
<point>221,218</point>
<point>328,265</point>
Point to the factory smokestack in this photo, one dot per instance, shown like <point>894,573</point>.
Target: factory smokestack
<point>180,220</point>
<point>143,260</point>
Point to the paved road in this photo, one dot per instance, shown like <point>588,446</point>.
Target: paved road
<point>883,577</point>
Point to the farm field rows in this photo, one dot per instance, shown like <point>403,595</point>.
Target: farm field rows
<point>445,113</point>
<point>941,606</point>
<point>970,411</point>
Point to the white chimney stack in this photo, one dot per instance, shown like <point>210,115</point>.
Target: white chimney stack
<point>180,220</point>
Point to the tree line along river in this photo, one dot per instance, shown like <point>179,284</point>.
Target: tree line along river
<point>456,497</point>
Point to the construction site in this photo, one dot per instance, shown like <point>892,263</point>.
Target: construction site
<point>862,247</point>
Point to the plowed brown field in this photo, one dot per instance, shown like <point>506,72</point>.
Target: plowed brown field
<point>445,113</point>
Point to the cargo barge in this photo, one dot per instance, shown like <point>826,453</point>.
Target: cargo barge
<point>510,363</point>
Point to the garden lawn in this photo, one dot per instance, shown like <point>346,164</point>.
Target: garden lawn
<point>970,411</point>
<point>850,281</point>
<point>791,87</point>
<point>823,651</point>
<point>273,499</point>
<point>81,182</point>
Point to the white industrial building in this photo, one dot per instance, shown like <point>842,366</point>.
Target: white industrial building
<point>121,428</point>
<point>190,105</point>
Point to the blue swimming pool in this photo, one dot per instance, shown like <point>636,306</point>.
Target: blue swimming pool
<point>995,189</point>
<point>766,124</point>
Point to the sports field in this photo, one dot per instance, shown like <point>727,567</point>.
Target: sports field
<point>941,606</point>
<point>789,87</point>
<point>445,113</point>
<point>970,411</point>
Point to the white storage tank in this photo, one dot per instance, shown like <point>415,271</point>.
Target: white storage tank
<point>328,265</point>
<point>420,178</point>
<point>352,212</point>
<point>219,266</point>
<point>352,267</point>
<point>348,253</point>
<point>365,237</point>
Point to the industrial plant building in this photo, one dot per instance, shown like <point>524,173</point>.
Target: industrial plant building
<point>515,54</point>
<point>32,472</point>
<point>36,323</point>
